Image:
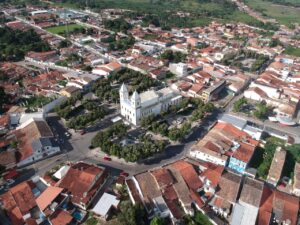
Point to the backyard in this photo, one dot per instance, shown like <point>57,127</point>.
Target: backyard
<point>259,110</point>
<point>246,60</point>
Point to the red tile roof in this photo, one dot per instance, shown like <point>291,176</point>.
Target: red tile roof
<point>169,193</point>
<point>213,173</point>
<point>46,198</point>
<point>18,201</point>
<point>285,206</point>
<point>244,152</point>
<point>80,180</point>
<point>28,134</point>
<point>189,174</point>
<point>61,217</point>
<point>163,177</point>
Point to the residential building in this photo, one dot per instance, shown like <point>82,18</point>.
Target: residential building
<point>51,199</point>
<point>107,69</point>
<point>245,212</point>
<point>226,193</point>
<point>168,191</point>
<point>70,91</point>
<point>211,92</point>
<point>277,165</point>
<point>179,69</point>
<point>277,208</point>
<point>151,102</point>
<point>35,142</point>
<point>296,184</point>
<point>20,205</point>
<point>225,145</point>
<point>105,204</point>
<point>82,182</point>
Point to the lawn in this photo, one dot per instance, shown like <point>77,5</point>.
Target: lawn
<point>283,14</point>
<point>290,50</point>
<point>62,29</point>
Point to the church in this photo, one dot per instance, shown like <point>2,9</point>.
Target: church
<point>134,108</point>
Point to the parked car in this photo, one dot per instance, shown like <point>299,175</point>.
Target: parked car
<point>83,132</point>
<point>10,181</point>
<point>107,158</point>
<point>124,174</point>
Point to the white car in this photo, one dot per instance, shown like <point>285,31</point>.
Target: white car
<point>67,134</point>
<point>10,181</point>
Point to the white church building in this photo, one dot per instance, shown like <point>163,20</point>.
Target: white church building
<point>134,108</point>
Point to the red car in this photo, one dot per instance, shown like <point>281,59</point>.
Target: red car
<point>82,132</point>
<point>124,174</point>
<point>107,158</point>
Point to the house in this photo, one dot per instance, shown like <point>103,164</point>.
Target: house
<point>51,199</point>
<point>211,92</point>
<point>41,56</point>
<point>277,208</point>
<point>61,217</point>
<point>226,193</point>
<point>242,156</point>
<point>256,94</point>
<point>105,204</point>
<point>277,165</point>
<point>210,177</point>
<point>225,145</point>
<point>151,102</point>
<point>4,123</point>
<point>168,191</point>
<point>107,69</point>
<point>245,212</point>
<point>179,69</point>
<point>20,205</point>
<point>83,181</point>
<point>296,185</point>
<point>70,91</point>
<point>35,142</point>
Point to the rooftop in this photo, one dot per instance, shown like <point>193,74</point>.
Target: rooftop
<point>252,192</point>
<point>229,186</point>
<point>276,168</point>
<point>105,203</point>
<point>80,179</point>
<point>48,196</point>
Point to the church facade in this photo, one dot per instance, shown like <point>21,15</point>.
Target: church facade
<point>134,108</point>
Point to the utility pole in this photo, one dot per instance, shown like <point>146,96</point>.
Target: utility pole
<point>66,20</point>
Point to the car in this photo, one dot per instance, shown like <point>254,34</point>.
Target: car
<point>124,174</point>
<point>67,134</point>
<point>91,146</point>
<point>107,158</point>
<point>83,132</point>
<point>10,181</point>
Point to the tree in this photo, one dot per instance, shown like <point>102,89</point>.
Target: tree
<point>157,221</point>
<point>3,98</point>
<point>132,214</point>
<point>237,106</point>
<point>201,219</point>
<point>64,43</point>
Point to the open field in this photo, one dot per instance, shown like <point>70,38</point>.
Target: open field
<point>292,51</point>
<point>283,14</point>
<point>202,12</point>
<point>62,29</point>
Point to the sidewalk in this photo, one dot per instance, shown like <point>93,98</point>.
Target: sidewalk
<point>97,153</point>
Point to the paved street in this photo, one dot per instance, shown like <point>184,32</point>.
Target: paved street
<point>75,148</point>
